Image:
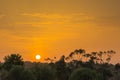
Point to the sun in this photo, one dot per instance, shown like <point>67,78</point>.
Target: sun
<point>38,57</point>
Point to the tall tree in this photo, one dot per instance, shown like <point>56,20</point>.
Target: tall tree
<point>61,69</point>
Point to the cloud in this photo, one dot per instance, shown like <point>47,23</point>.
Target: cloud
<point>22,30</point>
<point>43,23</point>
<point>42,15</point>
<point>57,16</point>
<point>47,19</point>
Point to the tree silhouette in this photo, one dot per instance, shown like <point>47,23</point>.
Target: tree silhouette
<point>76,55</point>
<point>61,69</point>
<point>11,60</point>
<point>79,65</point>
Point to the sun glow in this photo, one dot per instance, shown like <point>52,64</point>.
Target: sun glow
<point>37,57</point>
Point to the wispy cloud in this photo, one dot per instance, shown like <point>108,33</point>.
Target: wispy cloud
<point>46,19</point>
<point>43,15</point>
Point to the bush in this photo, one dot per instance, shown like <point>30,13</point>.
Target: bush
<point>19,73</point>
<point>43,72</point>
<point>84,74</point>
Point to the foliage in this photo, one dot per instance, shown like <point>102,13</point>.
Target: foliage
<point>11,60</point>
<point>117,66</point>
<point>61,70</point>
<point>93,57</point>
<point>43,72</point>
<point>3,74</point>
<point>0,65</point>
<point>117,76</point>
<point>17,73</point>
<point>79,65</point>
<point>84,74</point>
<point>105,72</point>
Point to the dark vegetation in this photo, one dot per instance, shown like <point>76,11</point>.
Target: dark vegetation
<point>79,65</point>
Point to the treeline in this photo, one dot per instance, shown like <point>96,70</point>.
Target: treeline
<point>79,65</point>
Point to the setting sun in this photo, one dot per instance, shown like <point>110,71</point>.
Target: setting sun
<point>38,57</point>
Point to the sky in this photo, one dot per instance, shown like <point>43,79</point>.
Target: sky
<point>57,27</point>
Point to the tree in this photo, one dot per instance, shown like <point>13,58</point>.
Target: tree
<point>19,73</point>
<point>117,66</point>
<point>61,69</point>
<point>3,74</point>
<point>76,55</point>
<point>0,65</point>
<point>84,74</point>
<point>11,60</point>
<point>105,72</point>
<point>42,72</point>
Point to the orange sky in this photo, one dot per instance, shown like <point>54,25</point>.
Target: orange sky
<point>56,27</point>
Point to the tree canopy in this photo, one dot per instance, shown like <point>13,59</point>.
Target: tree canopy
<point>11,60</point>
<point>78,65</point>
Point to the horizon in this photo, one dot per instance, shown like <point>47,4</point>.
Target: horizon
<point>53,28</point>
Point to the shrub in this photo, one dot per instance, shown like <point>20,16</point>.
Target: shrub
<point>83,74</point>
<point>43,72</point>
